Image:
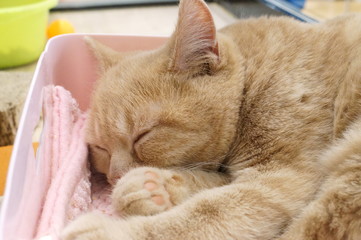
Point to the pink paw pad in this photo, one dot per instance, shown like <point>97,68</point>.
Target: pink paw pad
<point>159,194</point>
<point>150,185</point>
<point>158,199</point>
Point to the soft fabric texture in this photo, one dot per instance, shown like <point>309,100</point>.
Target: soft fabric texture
<point>70,187</point>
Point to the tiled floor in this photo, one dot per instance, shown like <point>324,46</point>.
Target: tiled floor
<point>326,9</point>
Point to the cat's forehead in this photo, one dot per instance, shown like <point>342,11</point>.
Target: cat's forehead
<point>136,71</point>
<point>124,110</point>
<point>142,60</point>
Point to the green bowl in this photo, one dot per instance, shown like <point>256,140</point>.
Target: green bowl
<point>22,30</point>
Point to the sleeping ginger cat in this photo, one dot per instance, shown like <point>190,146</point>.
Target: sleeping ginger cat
<point>252,132</point>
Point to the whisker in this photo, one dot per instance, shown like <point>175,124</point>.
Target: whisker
<point>200,165</point>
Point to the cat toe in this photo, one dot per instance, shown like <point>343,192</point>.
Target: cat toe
<point>156,186</point>
<point>150,185</point>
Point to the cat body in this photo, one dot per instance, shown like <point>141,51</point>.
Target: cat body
<point>252,132</point>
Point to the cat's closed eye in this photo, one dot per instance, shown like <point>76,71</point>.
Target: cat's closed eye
<point>101,149</point>
<point>137,141</point>
<point>140,136</point>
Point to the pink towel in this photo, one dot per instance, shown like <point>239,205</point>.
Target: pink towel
<point>71,189</point>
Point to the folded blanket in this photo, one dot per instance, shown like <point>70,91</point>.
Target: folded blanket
<point>71,189</point>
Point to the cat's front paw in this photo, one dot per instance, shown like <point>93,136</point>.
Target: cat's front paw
<point>94,226</point>
<point>148,191</point>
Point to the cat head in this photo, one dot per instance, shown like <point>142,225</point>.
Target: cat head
<point>176,106</point>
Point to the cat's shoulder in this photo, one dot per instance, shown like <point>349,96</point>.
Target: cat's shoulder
<point>265,21</point>
<point>264,24</point>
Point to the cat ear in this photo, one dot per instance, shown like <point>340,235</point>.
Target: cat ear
<point>194,41</point>
<point>106,56</point>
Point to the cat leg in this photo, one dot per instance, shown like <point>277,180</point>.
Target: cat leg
<point>247,210</point>
<point>335,214</point>
<point>95,226</point>
<point>148,191</point>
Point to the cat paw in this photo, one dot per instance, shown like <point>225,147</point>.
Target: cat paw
<point>94,226</point>
<point>147,191</point>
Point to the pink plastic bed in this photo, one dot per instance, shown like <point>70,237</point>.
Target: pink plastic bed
<point>45,192</point>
